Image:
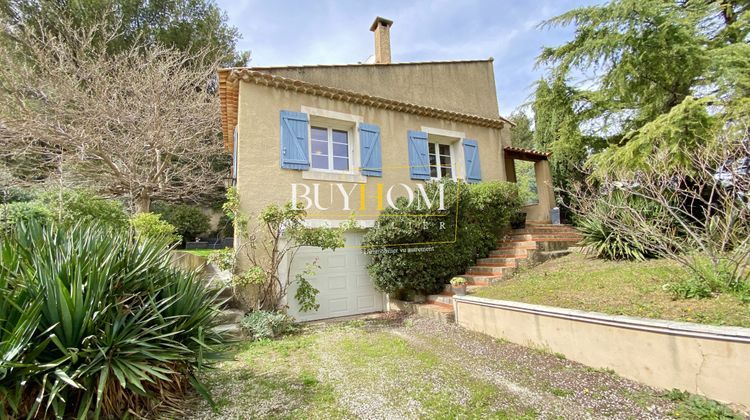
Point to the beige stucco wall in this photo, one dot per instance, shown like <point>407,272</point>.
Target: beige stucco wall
<point>467,87</point>
<point>711,361</point>
<point>261,180</point>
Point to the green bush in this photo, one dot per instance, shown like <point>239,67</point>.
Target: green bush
<point>612,243</point>
<point>473,218</point>
<point>189,220</point>
<point>25,211</point>
<point>80,205</point>
<point>96,324</point>
<point>261,325</point>
<point>150,225</point>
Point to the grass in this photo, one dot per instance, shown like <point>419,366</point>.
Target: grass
<point>617,288</point>
<point>390,368</point>
<point>200,252</point>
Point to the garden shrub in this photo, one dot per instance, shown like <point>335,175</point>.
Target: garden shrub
<point>261,325</point>
<point>189,220</point>
<point>474,217</point>
<point>95,323</point>
<point>610,243</point>
<point>25,211</point>
<point>73,205</point>
<point>150,225</point>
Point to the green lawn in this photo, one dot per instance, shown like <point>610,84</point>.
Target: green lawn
<point>200,252</point>
<point>411,368</point>
<point>618,288</point>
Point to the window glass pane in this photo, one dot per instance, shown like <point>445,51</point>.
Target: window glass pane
<point>433,159</point>
<point>445,150</point>
<point>431,146</point>
<point>320,162</point>
<point>446,172</point>
<point>340,136</point>
<point>340,150</point>
<point>319,147</point>
<point>445,160</point>
<point>318,133</point>
<point>341,164</point>
<point>433,171</point>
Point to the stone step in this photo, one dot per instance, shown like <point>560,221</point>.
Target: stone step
<point>516,253</point>
<point>443,299</point>
<point>438,312</point>
<point>481,280</point>
<point>506,245</point>
<point>499,261</point>
<point>230,316</point>
<point>551,255</point>
<point>488,270</point>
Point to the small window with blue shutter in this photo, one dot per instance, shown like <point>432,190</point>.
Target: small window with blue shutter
<point>419,163</point>
<point>471,157</point>
<point>294,141</point>
<point>370,150</point>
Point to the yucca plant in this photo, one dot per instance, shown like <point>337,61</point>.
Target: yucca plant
<point>95,322</point>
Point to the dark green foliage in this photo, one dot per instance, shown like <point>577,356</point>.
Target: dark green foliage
<point>67,206</point>
<point>94,323</point>
<point>468,229</point>
<point>13,213</point>
<point>522,134</point>
<point>79,205</point>
<point>263,325</point>
<point>613,243</point>
<point>15,195</point>
<point>653,73</point>
<point>189,220</point>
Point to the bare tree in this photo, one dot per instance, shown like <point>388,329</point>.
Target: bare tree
<point>698,215</point>
<point>142,124</point>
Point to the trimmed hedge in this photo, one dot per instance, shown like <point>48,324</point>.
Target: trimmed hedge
<point>467,229</point>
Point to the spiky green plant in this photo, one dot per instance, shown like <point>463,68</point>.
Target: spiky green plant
<point>96,323</point>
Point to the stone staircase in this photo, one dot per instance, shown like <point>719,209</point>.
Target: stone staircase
<point>534,244</point>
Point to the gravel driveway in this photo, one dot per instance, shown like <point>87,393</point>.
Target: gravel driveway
<point>392,367</point>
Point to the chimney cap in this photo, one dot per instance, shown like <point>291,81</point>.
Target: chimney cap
<point>380,20</point>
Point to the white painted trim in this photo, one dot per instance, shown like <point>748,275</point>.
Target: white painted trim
<point>445,133</point>
<point>332,114</point>
<point>687,329</point>
<point>334,176</point>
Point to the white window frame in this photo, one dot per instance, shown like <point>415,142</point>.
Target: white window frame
<point>325,118</point>
<point>329,138</point>
<point>439,164</point>
<point>455,140</point>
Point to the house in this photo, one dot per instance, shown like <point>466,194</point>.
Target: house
<point>348,139</point>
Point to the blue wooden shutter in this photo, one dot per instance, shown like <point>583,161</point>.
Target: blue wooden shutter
<point>419,157</point>
<point>369,150</point>
<point>471,155</point>
<point>294,143</point>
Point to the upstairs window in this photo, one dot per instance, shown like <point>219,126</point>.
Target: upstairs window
<point>330,149</point>
<point>441,162</point>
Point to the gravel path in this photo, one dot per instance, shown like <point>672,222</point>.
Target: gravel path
<point>390,367</point>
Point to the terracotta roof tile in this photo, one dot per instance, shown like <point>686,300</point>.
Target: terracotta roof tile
<point>229,88</point>
<point>527,153</point>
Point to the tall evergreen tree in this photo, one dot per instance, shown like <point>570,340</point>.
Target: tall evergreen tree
<point>641,81</point>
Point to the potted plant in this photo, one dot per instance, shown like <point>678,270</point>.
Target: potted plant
<point>458,285</point>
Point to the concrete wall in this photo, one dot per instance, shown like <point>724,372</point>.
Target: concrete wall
<point>706,360</point>
<point>467,86</point>
<point>260,179</point>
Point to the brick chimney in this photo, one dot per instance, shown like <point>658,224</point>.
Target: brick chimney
<point>382,28</point>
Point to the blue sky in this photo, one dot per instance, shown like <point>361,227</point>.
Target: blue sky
<point>337,32</point>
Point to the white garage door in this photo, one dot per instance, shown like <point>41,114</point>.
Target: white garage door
<point>342,279</point>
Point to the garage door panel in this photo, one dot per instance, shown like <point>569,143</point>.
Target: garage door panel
<point>344,285</point>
